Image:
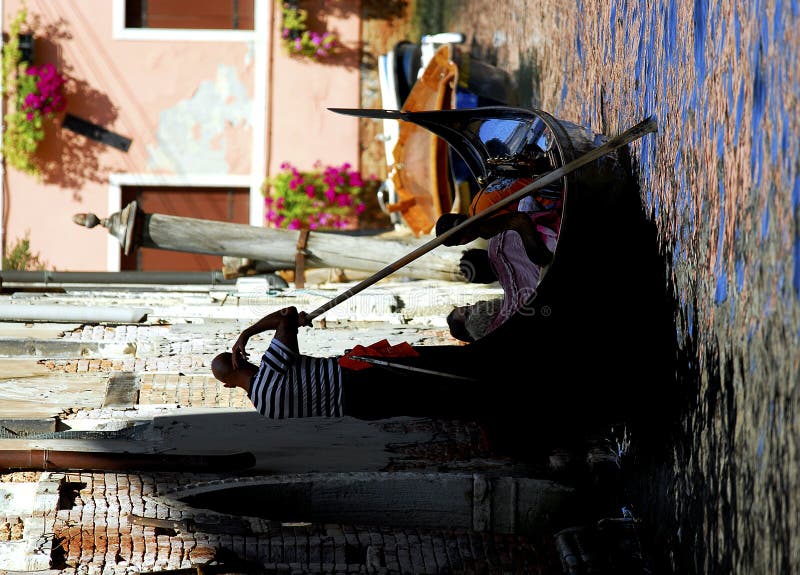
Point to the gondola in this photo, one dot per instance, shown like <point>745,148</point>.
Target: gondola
<point>597,314</point>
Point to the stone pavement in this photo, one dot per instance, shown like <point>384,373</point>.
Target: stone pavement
<point>145,390</point>
<point>75,375</point>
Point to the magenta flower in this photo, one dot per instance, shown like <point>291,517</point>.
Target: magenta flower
<point>355,180</point>
<point>49,95</point>
<point>325,197</point>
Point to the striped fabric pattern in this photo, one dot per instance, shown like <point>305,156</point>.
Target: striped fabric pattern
<point>288,384</point>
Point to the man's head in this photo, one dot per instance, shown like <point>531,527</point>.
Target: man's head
<point>469,323</point>
<point>223,370</point>
<point>457,322</point>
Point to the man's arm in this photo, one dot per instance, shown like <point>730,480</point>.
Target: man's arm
<point>285,323</point>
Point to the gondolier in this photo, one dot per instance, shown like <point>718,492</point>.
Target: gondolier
<point>288,384</point>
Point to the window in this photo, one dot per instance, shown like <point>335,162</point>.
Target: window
<point>188,20</point>
<point>190,14</point>
<point>223,204</point>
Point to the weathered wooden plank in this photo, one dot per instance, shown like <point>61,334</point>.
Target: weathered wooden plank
<point>276,248</point>
<point>122,390</point>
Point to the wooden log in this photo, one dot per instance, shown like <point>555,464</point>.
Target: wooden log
<point>275,249</point>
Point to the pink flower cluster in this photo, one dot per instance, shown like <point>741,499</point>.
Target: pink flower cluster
<point>299,41</point>
<point>274,209</point>
<point>49,95</point>
<point>324,198</point>
<point>325,43</point>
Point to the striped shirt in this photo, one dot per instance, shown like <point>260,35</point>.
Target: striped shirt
<point>288,384</point>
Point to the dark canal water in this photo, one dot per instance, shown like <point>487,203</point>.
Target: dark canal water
<point>721,181</point>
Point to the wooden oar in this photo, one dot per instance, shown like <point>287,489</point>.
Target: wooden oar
<point>633,133</point>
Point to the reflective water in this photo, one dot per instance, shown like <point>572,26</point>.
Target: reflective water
<point>722,181</point>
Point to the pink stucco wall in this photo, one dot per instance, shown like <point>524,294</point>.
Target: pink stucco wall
<point>188,107</point>
<point>303,130</point>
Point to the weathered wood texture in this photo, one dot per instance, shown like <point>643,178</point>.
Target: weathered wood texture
<point>277,248</point>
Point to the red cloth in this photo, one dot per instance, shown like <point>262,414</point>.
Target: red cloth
<point>380,349</point>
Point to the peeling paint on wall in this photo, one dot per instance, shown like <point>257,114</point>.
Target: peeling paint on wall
<point>190,134</point>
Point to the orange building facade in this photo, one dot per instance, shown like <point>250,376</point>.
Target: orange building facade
<point>185,105</point>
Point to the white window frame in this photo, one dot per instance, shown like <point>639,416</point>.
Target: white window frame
<point>120,32</point>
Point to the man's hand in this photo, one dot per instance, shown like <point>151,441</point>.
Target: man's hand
<point>239,351</point>
<point>284,321</point>
<point>302,319</point>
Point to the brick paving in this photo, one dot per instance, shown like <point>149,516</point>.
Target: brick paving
<point>189,391</point>
<point>94,534</point>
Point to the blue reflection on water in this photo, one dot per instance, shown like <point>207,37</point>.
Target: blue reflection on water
<point>777,20</point>
<point>670,29</point>
<point>739,112</point>
<point>721,267</point>
<point>721,292</point>
<point>759,97</point>
<point>795,206</point>
<point>700,15</point>
<point>739,274</point>
<point>612,24</point>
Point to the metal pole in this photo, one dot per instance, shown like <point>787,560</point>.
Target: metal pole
<point>633,133</point>
<point>49,278</point>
